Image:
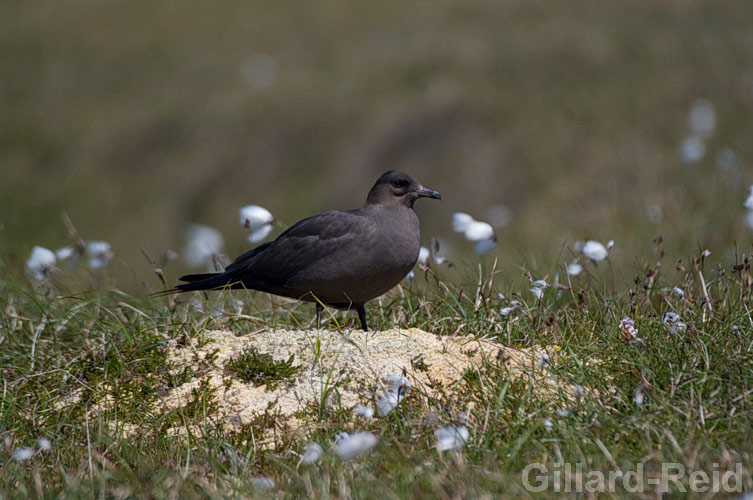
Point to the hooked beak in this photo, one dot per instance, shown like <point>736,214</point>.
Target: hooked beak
<point>428,193</point>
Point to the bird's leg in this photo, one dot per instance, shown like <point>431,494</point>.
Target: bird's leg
<point>319,309</point>
<point>362,316</point>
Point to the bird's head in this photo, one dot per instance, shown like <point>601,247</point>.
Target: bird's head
<point>398,188</point>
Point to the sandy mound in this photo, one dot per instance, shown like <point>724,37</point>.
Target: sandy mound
<point>348,370</point>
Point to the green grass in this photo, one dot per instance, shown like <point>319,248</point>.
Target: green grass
<point>87,372</point>
<point>261,368</point>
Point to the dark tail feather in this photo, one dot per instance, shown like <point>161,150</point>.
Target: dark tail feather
<point>191,278</point>
<point>203,281</point>
<point>206,281</point>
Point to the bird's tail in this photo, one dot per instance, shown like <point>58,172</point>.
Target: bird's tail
<point>193,278</point>
<point>203,281</point>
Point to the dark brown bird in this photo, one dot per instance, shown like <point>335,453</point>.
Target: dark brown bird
<point>340,258</point>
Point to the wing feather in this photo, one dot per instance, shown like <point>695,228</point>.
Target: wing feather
<point>321,247</point>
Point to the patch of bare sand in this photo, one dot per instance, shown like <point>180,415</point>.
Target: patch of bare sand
<point>347,370</point>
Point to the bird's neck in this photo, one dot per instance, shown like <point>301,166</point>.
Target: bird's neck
<point>399,217</point>
<point>386,208</point>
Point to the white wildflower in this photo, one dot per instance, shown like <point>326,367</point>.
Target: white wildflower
<point>263,483</point>
<point>22,454</point>
<point>312,452</point>
<point>387,402</point>
<point>260,233</point>
<point>594,250</point>
<point>749,200</point>
<point>506,311</point>
<point>673,323</point>
<point>423,255</point>
<point>350,446</point>
<point>565,412</point>
<point>461,221</point>
<point>409,276</point>
<point>67,255</point>
<point>439,259</point>
<point>670,318</point>
<point>548,425</point>
<point>254,216</point>
<point>628,329</point>
<point>610,244</point>
<point>627,326</point>
<point>479,231</point>
<point>396,388</point>
<point>99,254</point>
<point>453,437</point>
<point>363,411</point>
<point>439,252</point>
<point>485,246</point>
<point>44,444</point>
<point>397,383</point>
<point>692,149</point>
<point>702,118</point>
<point>578,392</point>
<point>540,284</point>
<point>537,292</point>
<point>41,263</point>
<point>705,253</point>
<point>257,221</point>
<point>638,397</point>
<point>574,268</point>
<point>543,359</point>
<point>678,291</point>
<point>203,243</point>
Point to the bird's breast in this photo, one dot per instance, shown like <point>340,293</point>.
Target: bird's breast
<point>399,239</point>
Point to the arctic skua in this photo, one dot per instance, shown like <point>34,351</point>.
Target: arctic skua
<point>341,258</point>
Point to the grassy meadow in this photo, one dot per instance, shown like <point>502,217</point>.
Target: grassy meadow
<point>86,371</point>
<point>128,121</point>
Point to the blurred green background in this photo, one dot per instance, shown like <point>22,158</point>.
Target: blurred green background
<point>140,117</point>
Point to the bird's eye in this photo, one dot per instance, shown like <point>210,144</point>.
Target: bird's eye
<point>399,183</point>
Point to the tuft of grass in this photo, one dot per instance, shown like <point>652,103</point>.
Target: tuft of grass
<point>261,368</point>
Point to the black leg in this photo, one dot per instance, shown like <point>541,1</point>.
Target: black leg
<point>362,316</point>
<point>319,309</point>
